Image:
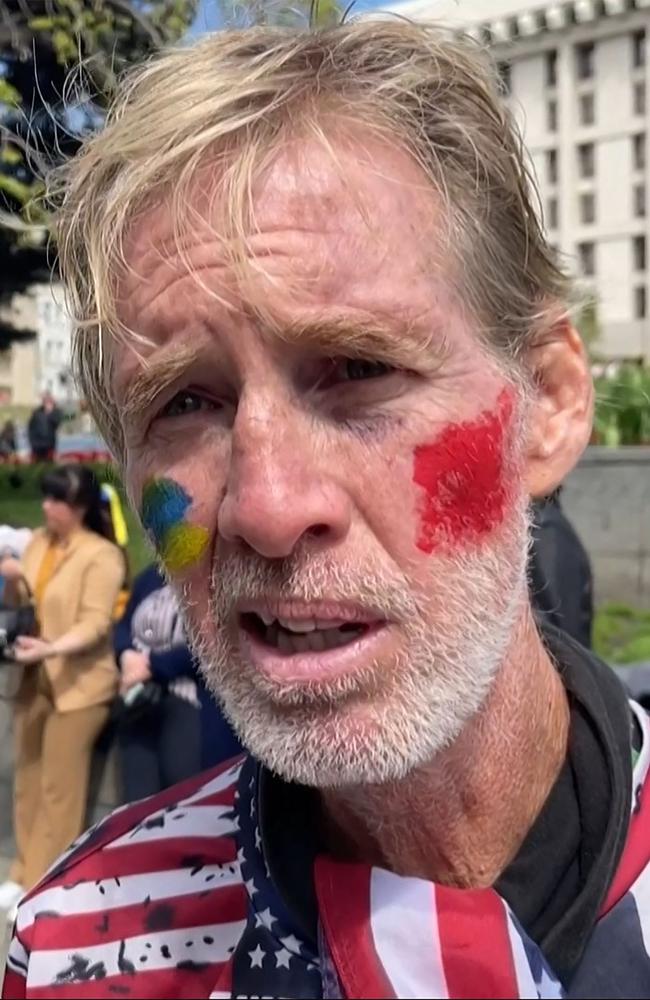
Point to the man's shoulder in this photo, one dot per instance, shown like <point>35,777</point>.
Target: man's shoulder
<point>195,817</point>
<point>154,888</point>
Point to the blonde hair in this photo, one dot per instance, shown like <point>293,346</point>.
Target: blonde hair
<point>231,97</point>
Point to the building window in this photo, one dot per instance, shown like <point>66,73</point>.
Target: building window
<point>551,116</point>
<point>551,213</point>
<point>640,302</point>
<point>587,259</point>
<point>586,160</point>
<point>587,208</point>
<point>640,256</point>
<point>587,108</point>
<point>551,166</point>
<point>505,76</point>
<point>639,97</point>
<point>639,201</point>
<point>638,49</point>
<point>585,61</point>
<point>551,68</point>
<point>639,151</point>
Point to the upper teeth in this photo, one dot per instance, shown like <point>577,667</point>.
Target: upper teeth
<point>302,625</point>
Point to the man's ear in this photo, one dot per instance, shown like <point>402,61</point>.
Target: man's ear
<point>561,413</point>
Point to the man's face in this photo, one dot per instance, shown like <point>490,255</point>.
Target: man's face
<point>329,464</point>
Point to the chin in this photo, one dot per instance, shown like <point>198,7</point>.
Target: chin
<point>390,719</point>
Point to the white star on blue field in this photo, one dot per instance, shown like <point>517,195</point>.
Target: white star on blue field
<point>208,17</point>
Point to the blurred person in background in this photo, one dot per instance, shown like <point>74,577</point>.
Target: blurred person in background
<point>74,571</point>
<point>13,542</point>
<point>8,441</point>
<point>42,429</point>
<point>560,576</point>
<point>170,728</point>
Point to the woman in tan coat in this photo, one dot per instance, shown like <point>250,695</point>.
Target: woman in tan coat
<point>75,573</point>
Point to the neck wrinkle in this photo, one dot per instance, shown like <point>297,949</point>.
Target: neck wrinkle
<point>460,819</point>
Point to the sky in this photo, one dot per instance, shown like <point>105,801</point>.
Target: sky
<point>208,16</point>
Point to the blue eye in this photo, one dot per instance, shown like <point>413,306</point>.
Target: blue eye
<point>187,402</point>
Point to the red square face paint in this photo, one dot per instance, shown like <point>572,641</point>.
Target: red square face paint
<point>463,479</point>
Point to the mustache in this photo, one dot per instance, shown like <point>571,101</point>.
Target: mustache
<point>311,578</point>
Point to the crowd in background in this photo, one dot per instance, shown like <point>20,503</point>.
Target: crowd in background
<point>93,651</point>
<point>42,432</point>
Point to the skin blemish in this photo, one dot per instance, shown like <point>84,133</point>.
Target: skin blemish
<point>179,543</point>
<point>463,479</point>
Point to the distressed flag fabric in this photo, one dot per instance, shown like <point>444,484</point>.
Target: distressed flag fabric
<point>173,898</point>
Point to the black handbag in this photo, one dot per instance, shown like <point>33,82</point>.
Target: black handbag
<point>16,620</point>
<point>139,701</point>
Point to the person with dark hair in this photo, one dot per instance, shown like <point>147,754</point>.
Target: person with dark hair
<point>42,429</point>
<point>74,571</point>
<point>8,441</point>
<point>173,729</point>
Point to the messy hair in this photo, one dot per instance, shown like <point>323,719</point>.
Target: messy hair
<point>231,98</point>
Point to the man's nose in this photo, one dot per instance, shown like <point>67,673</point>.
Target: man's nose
<point>279,494</point>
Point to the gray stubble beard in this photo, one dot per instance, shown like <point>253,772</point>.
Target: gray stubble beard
<point>379,724</point>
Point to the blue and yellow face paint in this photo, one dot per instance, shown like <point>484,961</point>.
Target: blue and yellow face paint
<point>179,543</point>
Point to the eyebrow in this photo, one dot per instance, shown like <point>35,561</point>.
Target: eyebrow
<point>355,336</point>
<point>393,340</point>
<point>153,377</point>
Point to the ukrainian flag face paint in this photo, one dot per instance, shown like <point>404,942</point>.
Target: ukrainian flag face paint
<point>180,544</point>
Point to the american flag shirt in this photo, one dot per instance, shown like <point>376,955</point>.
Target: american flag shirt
<point>172,898</point>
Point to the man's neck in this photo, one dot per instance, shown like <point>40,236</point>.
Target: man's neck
<point>461,819</point>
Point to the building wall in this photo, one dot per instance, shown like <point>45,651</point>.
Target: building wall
<point>523,35</point>
<point>608,499</point>
<point>54,341</point>
<point>41,363</point>
<point>24,363</point>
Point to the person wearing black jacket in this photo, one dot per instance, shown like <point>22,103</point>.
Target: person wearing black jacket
<point>179,731</point>
<point>42,430</point>
<point>560,574</point>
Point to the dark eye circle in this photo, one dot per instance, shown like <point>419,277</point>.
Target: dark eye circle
<point>186,402</point>
<point>358,369</point>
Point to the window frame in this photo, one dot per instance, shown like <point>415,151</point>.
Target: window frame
<point>587,198</point>
<point>585,55</point>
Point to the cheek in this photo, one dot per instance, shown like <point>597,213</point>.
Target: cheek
<point>168,515</point>
<point>464,481</point>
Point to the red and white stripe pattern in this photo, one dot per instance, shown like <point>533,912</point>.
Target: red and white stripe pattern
<point>149,904</point>
<point>391,936</point>
<point>153,903</point>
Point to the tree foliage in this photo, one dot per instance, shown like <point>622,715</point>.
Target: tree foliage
<point>246,12</point>
<point>59,61</point>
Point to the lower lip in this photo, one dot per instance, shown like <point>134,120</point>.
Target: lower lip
<point>312,667</point>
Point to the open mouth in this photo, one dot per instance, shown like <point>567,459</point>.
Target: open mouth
<point>302,636</point>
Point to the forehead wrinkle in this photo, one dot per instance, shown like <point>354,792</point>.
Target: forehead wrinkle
<point>152,302</point>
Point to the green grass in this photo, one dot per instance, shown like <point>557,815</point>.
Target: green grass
<point>25,512</point>
<point>622,633</point>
